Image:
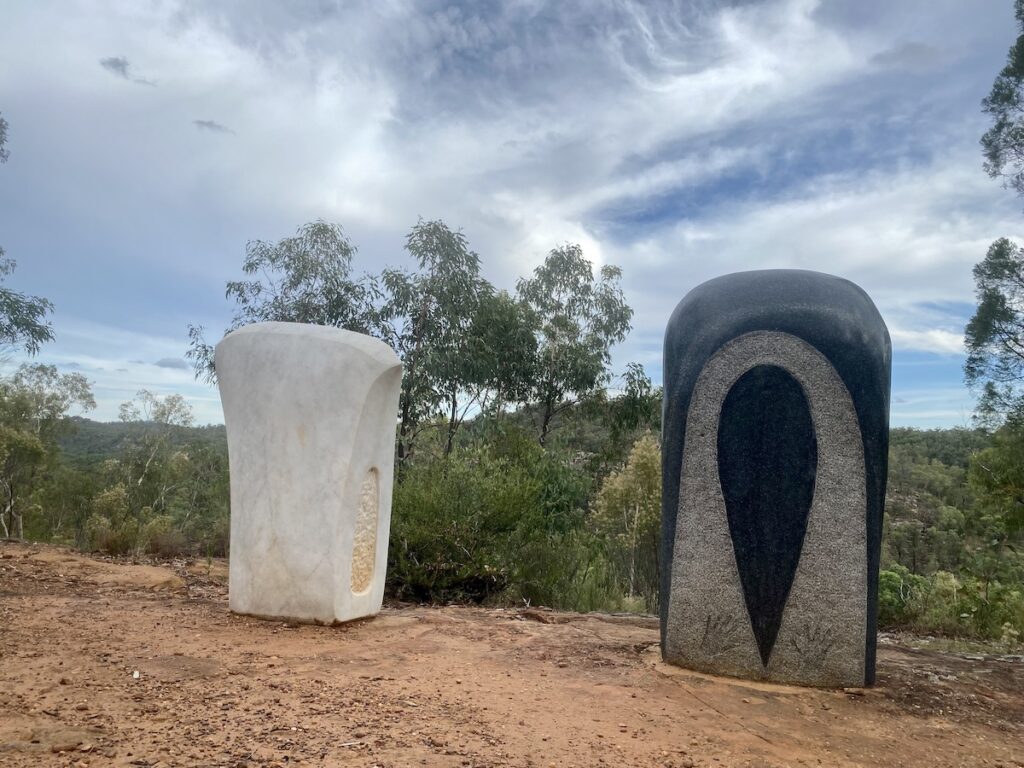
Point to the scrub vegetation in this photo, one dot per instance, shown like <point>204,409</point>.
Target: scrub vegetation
<point>528,473</point>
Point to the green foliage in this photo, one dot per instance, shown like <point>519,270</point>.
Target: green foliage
<point>111,527</point>
<point>89,443</point>
<point>951,447</point>
<point>22,456</point>
<point>160,496</point>
<point>464,346</point>
<point>432,315</point>
<point>628,518</point>
<point>951,555</point>
<point>49,396</point>
<point>1003,143</point>
<point>997,475</point>
<point>899,594</point>
<point>34,404</point>
<point>995,334</point>
<point>624,418</point>
<point>23,322</point>
<point>62,503</point>
<point>453,528</point>
<point>578,319</point>
<point>488,522</point>
<point>947,604</point>
<point>301,279</point>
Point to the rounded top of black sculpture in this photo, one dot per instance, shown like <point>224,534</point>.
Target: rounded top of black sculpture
<point>777,299</point>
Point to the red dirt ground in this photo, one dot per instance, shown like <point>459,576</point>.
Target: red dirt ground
<point>452,686</point>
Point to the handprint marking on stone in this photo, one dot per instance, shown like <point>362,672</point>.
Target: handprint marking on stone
<point>721,634</point>
<point>813,641</point>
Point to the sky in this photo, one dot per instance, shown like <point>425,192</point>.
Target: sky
<point>149,141</point>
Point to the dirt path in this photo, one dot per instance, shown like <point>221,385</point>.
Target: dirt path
<point>448,686</point>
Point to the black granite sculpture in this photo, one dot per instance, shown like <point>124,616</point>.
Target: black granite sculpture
<point>775,443</point>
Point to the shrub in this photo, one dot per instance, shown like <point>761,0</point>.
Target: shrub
<point>900,595</point>
<point>489,523</point>
<point>159,537</point>
<point>627,519</point>
<point>102,536</point>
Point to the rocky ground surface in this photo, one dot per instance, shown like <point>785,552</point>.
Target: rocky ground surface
<point>112,664</point>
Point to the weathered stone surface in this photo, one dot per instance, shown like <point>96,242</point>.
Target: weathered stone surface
<point>310,414</point>
<point>775,443</point>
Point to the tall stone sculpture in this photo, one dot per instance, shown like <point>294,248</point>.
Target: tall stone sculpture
<point>775,440</point>
<point>310,414</point>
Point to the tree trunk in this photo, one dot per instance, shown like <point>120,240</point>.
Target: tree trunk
<point>453,423</point>
<point>403,429</point>
<point>13,525</point>
<point>632,552</point>
<point>545,423</point>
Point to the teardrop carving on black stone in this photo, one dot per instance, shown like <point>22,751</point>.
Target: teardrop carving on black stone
<point>767,462</point>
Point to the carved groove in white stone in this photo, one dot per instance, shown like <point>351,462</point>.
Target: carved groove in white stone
<point>821,639</point>
<point>310,414</point>
<point>364,549</point>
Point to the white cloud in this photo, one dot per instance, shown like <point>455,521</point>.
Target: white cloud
<point>527,123</point>
<point>932,340</point>
<point>909,237</point>
<point>114,361</point>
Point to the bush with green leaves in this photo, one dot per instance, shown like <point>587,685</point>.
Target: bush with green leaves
<point>501,521</point>
<point>627,519</point>
<point>950,605</point>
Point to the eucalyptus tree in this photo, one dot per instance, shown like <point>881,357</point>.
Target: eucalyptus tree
<point>995,334</point>
<point>302,279</point>
<point>627,515</point>
<point>146,465</point>
<point>23,323</point>
<point>35,403</point>
<point>505,348</point>
<point>578,318</point>
<point>627,414</point>
<point>994,337</point>
<point>1003,143</point>
<point>432,314</point>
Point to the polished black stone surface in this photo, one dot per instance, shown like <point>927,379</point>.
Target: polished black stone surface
<point>840,321</point>
<point>767,458</point>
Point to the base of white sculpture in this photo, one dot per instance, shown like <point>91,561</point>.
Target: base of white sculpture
<point>310,414</point>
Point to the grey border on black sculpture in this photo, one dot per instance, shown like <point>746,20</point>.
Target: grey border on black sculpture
<point>775,440</point>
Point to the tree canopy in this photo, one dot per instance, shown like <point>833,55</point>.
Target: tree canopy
<point>23,323</point>
<point>465,346</point>
<point>579,318</point>
<point>995,334</point>
<point>1003,143</point>
<point>431,311</point>
<point>34,404</point>
<point>302,279</point>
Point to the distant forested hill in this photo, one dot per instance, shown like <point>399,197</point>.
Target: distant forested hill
<point>92,442</point>
<point>952,447</point>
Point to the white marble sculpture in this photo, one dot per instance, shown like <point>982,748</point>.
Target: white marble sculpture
<point>310,414</point>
